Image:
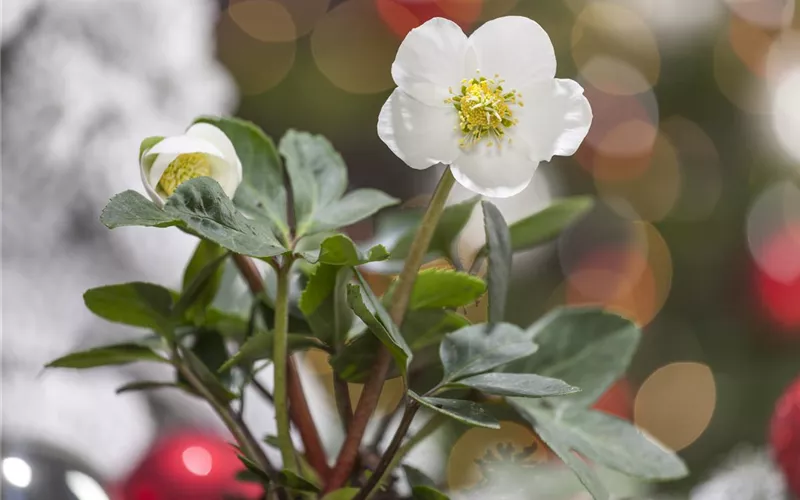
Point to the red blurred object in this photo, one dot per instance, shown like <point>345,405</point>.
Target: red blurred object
<point>404,15</point>
<point>785,435</point>
<point>781,299</point>
<point>191,466</point>
<point>617,400</point>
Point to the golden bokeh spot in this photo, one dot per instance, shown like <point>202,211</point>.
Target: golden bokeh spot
<point>484,109</point>
<point>183,168</point>
<point>482,456</point>
<point>675,404</point>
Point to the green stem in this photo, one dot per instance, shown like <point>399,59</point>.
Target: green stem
<point>402,294</point>
<point>280,359</point>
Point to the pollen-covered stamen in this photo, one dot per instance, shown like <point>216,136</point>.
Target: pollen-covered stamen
<point>183,168</point>
<point>484,109</point>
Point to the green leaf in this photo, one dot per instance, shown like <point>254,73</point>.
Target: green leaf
<point>324,303</point>
<point>353,207</point>
<point>117,354</point>
<point>435,288</point>
<point>317,172</point>
<point>585,347</point>
<point>353,362</point>
<point>562,447</point>
<point>206,376</point>
<point>377,320</point>
<point>205,209</point>
<point>137,304</point>
<point>262,193</point>
<point>342,494</point>
<point>606,440</point>
<point>517,384</point>
<point>294,482</point>
<point>259,346</point>
<point>201,279</point>
<point>339,250</point>
<point>450,225</point>
<point>480,348</point>
<point>254,469</point>
<point>148,143</point>
<point>130,208</point>
<point>466,412</point>
<point>546,225</point>
<point>498,241</point>
<point>427,327</point>
<point>148,385</point>
<point>422,487</point>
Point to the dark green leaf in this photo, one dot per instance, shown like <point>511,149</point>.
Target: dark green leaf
<point>255,470</point>
<point>427,327</point>
<point>480,348</point>
<point>561,446</point>
<point>147,385</point>
<point>206,376</point>
<point>379,323</point>
<point>427,493</point>
<point>324,303</point>
<point>342,494</point>
<point>466,412</point>
<point>209,347</point>
<point>422,487</point>
<point>262,192</point>
<point>498,241</point>
<point>607,440</point>
<point>130,208</point>
<point>354,361</point>
<point>339,250</point>
<point>546,225</point>
<point>318,175</point>
<point>205,209</point>
<point>202,278</point>
<point>260,345</point>
<point>137,304</point>
<point>118,354</point>
<point>517,384</point>
<point>292,481</point>
<point>585,347</point>
<point>355,206</point>
<point>435,288</point>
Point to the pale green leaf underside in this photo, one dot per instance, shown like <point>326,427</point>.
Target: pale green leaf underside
<point>466,412</point>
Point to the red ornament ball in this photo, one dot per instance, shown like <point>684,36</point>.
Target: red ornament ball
<point>189,465</point>
<point>785,435</point>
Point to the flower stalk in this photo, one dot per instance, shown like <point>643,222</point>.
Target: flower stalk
<point>280,360</point>
<point>400,299</point>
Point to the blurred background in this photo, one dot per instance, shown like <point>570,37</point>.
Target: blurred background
<point>692,157</point>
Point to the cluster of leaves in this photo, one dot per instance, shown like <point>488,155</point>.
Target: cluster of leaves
<point>548,375</point>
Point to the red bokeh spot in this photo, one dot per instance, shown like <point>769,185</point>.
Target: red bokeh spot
<point>780,298</point>
<point>785,435</point>
<point>401,16</point>
<point>189,465</point>
<point>617,400</point>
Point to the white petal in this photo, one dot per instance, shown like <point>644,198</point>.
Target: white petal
<point>225,174</point>
<point>220,140</point>
<point>495,172</point>
<point>419,134</point>
<point>515,48</point>
<point>431,60</point>
<point>555,119</point>
<point>168,149</point>
<point>151,191</point>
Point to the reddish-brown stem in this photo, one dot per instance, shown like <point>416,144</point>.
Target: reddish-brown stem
<point>380,368</point>
<point>298,407</point>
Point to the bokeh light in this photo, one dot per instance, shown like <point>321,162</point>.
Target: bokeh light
<point>256,65</point>
<point>773,233</point>
<point>17,472</point>
<point>780,295</point>
<point>676,402</point>
<point>197,460</point>
<point>767,13</point>
<point>479,449</point>
<point>264,20</point>
<point>786,113</point>
<point>734,77</point>
<point>354,49</point>
<point>404,15</point>
<point>617,400</point>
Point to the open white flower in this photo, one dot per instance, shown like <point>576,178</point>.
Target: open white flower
<point>488,105</point>
<point>203,151</point>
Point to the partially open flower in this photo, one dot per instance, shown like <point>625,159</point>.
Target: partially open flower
<point>203,151</point>
<point>487,105</point>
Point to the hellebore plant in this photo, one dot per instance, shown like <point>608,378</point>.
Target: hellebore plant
<point>459,102</point>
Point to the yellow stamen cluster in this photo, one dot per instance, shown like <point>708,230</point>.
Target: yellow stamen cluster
<point>484,109</point>
<point>183,168</point>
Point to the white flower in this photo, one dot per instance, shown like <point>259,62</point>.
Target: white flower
<point>204,150</point>
<point>487,105</point>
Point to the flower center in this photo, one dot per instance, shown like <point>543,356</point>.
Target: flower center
<point>484,109</point>
<point>183,168</point>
